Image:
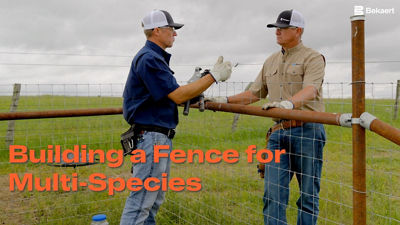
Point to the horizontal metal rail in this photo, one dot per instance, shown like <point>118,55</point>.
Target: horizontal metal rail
<point>306,116</point>
<point>377,126</point>
<point>386,131</point>
<point>59,113</point>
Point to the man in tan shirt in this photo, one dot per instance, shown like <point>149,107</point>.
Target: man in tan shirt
<point>292,79</point>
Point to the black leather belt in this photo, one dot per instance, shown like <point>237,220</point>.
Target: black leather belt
<point>169,132</point>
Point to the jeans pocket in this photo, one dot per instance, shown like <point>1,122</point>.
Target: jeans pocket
<point>161,139</point>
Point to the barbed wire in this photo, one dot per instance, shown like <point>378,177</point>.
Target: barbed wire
<point>63,54</point>
<point>173,65</point>
<point>131,56</point>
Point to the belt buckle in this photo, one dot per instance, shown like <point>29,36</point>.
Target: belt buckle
<point>282,127</point>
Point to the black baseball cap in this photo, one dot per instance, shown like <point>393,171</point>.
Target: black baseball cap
<point>288,18</point>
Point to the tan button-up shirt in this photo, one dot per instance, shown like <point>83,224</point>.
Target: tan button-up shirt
<point>287,72</point>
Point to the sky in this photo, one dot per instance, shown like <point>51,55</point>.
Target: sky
<point>94,41</point>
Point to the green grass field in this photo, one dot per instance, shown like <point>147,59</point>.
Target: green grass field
<point>231,193</point>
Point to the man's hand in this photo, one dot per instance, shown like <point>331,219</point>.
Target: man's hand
<point>221,70</point>
<point>283,104</point>
<point>217,99</point>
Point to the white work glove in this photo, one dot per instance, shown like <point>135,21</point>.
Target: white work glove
<point>221,70</point>
<point>283,105</point>
<point>217,99</point>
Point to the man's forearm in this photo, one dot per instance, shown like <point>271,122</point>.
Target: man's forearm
<point>306,94</point>
<point>189,91</point>
<point>243,98</point>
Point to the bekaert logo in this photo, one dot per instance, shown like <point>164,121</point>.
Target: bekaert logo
<point>359,10</point>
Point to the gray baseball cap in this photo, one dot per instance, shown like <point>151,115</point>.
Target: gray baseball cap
<point>159,18</point>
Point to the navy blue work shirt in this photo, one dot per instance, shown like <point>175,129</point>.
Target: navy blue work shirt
<point>149,82</point>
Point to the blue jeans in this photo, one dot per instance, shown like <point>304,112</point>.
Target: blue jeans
<point>303,157</point>
<point>141,206</point>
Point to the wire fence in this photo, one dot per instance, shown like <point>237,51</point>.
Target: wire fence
<point>230,194</point>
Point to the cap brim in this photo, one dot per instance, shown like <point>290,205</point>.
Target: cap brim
<point>177,26</point>
<point>280,25</point>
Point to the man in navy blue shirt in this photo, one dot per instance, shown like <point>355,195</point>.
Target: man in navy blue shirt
<point>150,103</point>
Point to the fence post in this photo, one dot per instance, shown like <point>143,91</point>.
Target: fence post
<point>13,108</point>
<point>358,107</point>
<point>396,103</point>
<point>237,115</point>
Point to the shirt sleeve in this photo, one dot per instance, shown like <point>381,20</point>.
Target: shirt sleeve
<point>157,77</point>
<point>314,71</point>
<point>259,88</point>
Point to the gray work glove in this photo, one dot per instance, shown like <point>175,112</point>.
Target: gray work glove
<point>217,99</point>
<point>283,105</point>
<point>221,70</point>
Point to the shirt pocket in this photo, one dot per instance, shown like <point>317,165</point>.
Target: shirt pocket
<point>271,77</point>
<point>294,78</point>
<point>295,70</point>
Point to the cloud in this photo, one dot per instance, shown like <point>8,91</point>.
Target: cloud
<point>235,29</point>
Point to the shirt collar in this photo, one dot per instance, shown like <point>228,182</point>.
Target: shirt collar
<point>153,46</point>
<point>293,50</point>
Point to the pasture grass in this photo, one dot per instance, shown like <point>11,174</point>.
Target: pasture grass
<point>231,193</point>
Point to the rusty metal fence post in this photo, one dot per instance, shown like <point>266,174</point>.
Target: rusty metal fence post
<point>13,108</point>
<point>396,103</point>
<point>358,107</point>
